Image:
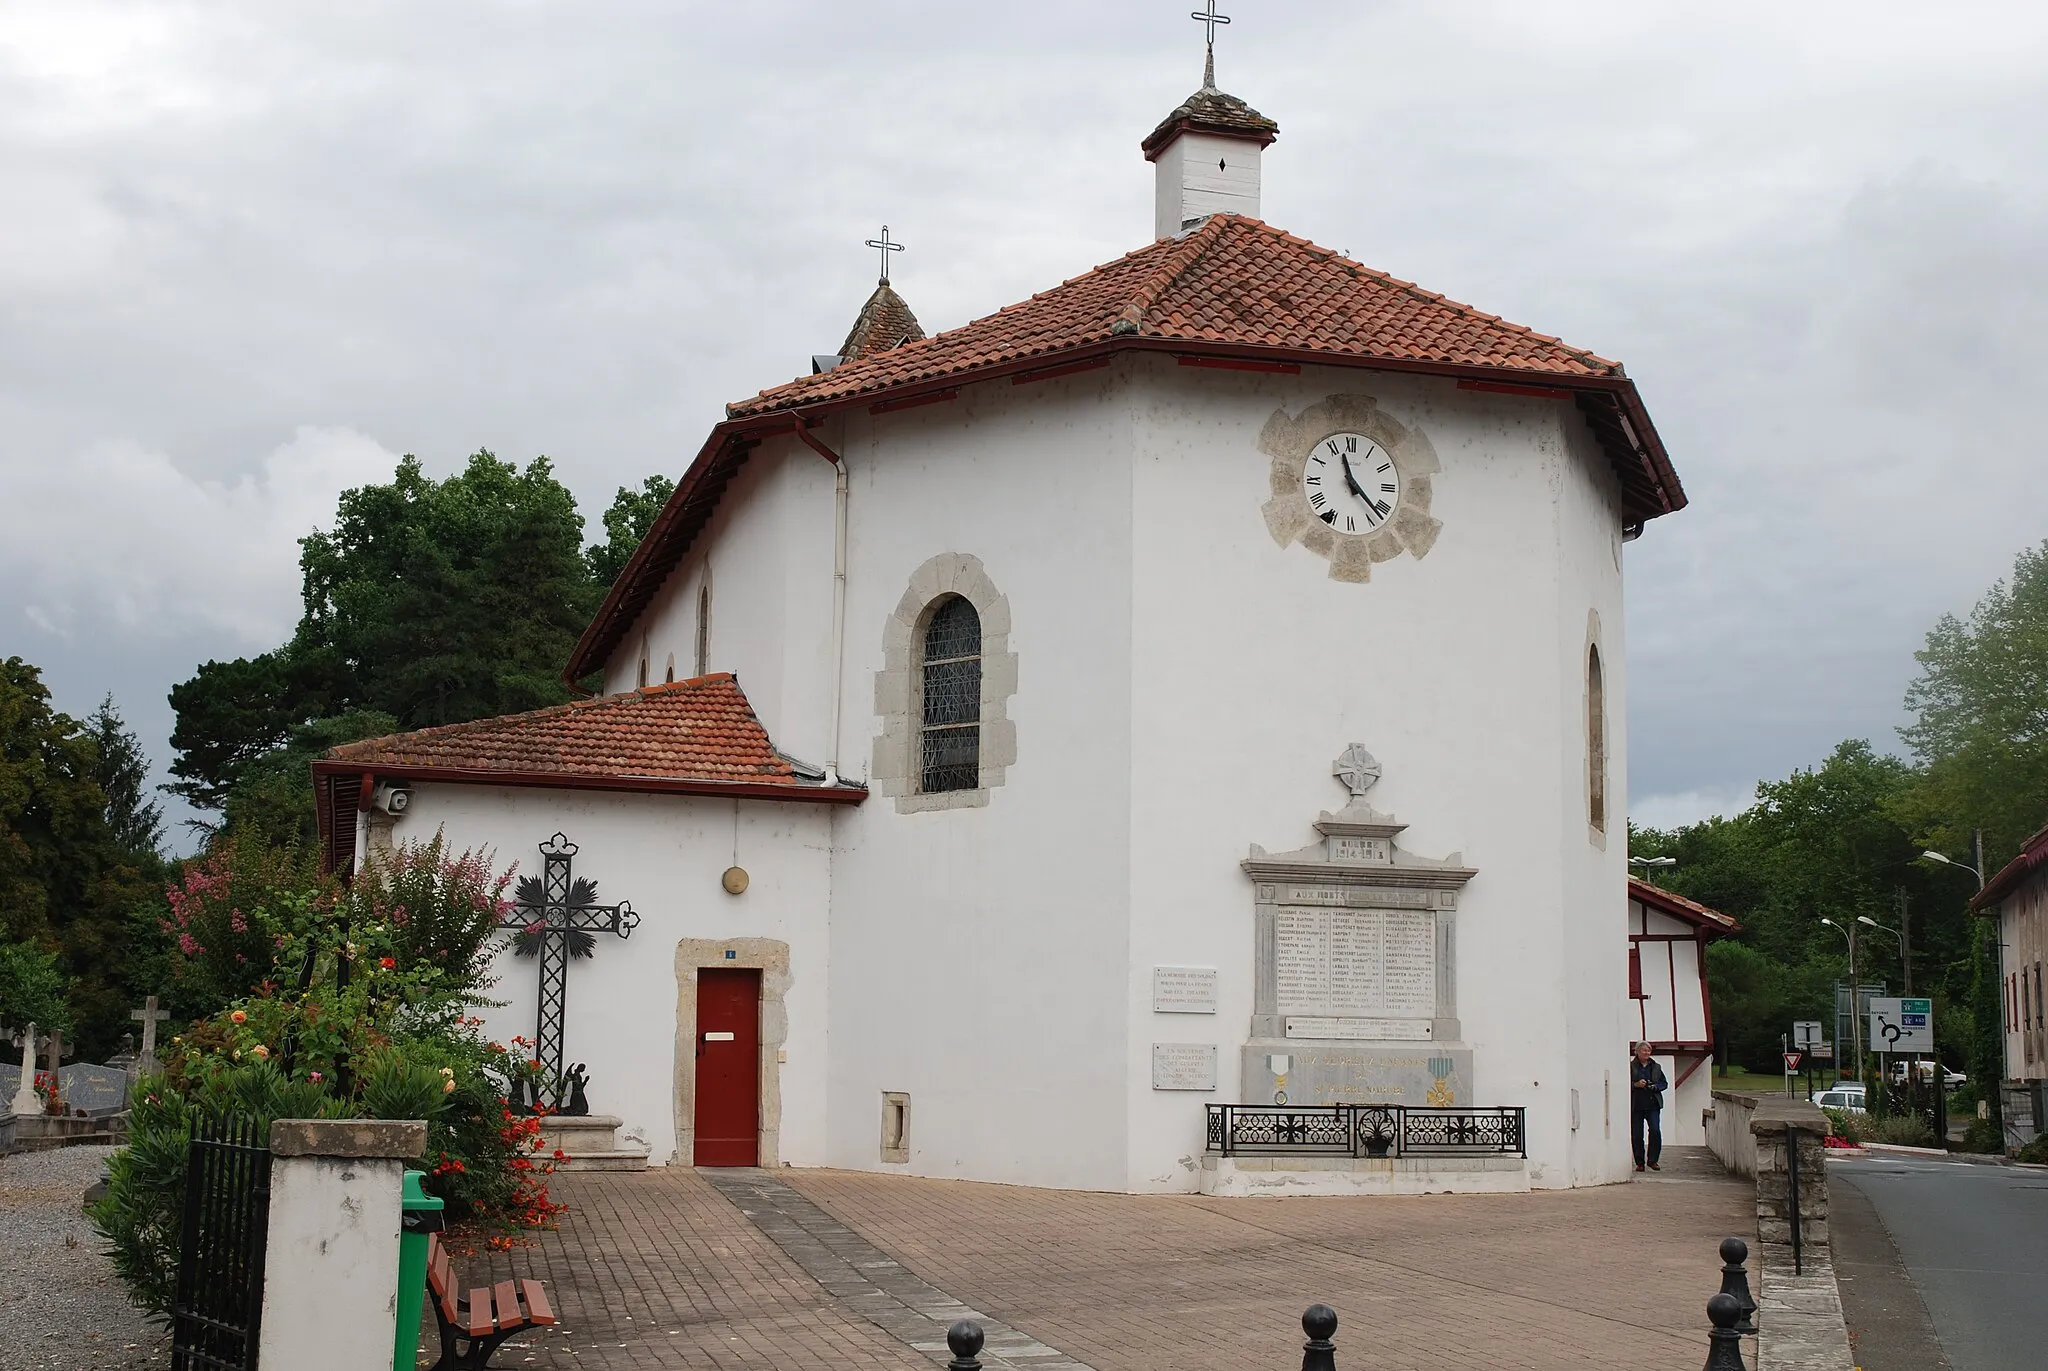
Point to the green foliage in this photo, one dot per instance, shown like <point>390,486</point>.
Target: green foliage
<point>442,912</point>
<point>2035,1151</point>
<point>625,524</point>
<point>1984,1135</point>
<point>1845,1124</point>
<point>122,770</point>
<point>67,876</point>
<point>1980,710</point>
<point>398,1084</point>
<point>32,989</point>
<point>231,911</point>
<point>1900,1130</point>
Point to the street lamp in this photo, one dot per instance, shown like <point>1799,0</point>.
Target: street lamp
<point>1933,856</point>
<point>1905,958</point>
<point>1855,989</point>
<point>1653,861</point>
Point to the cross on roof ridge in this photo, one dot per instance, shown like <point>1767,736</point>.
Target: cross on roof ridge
<point>1209,19</point>
<point>886,247</point>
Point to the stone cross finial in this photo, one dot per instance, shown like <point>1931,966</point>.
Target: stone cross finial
<point>26,1101</point>
<point>149,1014</point>
<point>1357,769</point>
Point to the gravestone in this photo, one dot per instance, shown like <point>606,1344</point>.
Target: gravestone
<point>26,1101</point>
<point>1354,988</point>
<point>98,1090</point>
<point>149,1016</point>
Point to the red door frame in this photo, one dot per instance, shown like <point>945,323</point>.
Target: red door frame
<point>728,1090</point>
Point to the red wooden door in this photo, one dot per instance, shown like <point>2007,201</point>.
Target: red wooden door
<point>728,1067</point>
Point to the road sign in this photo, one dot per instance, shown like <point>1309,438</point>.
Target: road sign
<point>1822,1052</point>
<point>1901,1025</point>
<point>1806,1032</point>
<point>1792,1061</point>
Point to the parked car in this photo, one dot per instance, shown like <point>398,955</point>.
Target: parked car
<point>1950,1078</point>
<point>1846,1095</point>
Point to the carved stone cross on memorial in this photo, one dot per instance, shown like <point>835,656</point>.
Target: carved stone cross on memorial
<point>1355,977</point>
<point>149,1015</point>
<point>26,1101</point>
<point>556,917</point>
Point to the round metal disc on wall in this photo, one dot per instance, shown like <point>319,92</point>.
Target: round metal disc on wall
<point>734,880</point>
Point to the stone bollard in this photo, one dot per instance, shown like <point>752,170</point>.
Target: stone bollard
<point>1735,1281</point>
<point>1724,1348</point>
<point>330,1280</point>
<point>964,1340</point>
<point>1319,1353</point>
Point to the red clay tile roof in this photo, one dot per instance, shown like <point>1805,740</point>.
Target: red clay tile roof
<point>1232,281</point>
<point>1209,110</point>
<point>696,730</point>
<point>2033,856</point>
<point>1681,908</point>
<point>884,322</point>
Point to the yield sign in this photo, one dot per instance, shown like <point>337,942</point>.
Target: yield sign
<point>1792,1060</point>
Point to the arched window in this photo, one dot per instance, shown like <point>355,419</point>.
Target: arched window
<point>1596,741</point>
<point>951,695</point>
<point>704,627</point>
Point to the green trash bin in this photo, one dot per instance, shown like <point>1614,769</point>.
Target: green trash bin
<point>420,1214</point>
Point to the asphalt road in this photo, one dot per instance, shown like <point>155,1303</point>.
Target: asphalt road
<point>1973,1238</point>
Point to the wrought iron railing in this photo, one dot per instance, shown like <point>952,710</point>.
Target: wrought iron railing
<point>1366,1130</point>
<point>221,1247</point>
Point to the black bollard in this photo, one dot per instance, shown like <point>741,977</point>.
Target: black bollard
<point>964,1338</point>
<point>1735,1281</point>
<point>1319,1353</point>
<point>1724,1351</point>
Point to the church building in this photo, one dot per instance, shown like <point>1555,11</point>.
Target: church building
<point>1199,684</point>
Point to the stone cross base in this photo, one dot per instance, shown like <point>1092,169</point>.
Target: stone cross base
<point>592,1142</point>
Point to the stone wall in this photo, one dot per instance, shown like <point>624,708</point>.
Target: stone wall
<point>1728,1135</point>
<point>1775,1125</point>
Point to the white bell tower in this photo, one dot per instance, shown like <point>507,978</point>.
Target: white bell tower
<point>1207,152</point>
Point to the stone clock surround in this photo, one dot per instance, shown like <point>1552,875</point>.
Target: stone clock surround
<point>898,763</point>
<point>1288,440</point>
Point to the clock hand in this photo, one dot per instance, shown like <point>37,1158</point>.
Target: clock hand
<point>1352,481</point>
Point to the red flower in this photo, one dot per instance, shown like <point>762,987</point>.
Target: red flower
<point>388,963</point>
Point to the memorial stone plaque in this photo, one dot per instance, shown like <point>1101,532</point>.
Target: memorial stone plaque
<point>1183,1066</point>
<point>1364,963</point>
<point>1184,990</point>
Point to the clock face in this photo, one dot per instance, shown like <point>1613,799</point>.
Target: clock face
<point>1351,483</point>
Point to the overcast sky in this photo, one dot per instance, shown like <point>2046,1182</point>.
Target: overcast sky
<point>251,252</point>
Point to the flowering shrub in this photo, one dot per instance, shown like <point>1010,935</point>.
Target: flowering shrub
<point>46,1090</point>
<point>228,909</point>
<point>440,912</point>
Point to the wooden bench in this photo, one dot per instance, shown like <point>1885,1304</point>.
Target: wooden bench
<point>472,1328</point>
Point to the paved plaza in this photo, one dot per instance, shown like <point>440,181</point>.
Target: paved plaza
<point>669,1268</point>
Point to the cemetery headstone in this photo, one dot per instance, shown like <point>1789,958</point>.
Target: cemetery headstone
<point>26,1100</point>
<point>95,1090</point>
<point>149,1016</point>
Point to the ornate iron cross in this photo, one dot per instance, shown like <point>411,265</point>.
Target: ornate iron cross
<point>1209,20</point>
<point>556,917</point>
<point>885,247</point>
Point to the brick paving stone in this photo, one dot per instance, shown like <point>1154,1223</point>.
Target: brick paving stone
<point>1612,1276</point>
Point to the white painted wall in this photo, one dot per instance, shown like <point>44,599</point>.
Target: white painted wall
<point>665,854</point>
<point>330,1288</point>
<point>1252,669</point>
<point>1200,174</point>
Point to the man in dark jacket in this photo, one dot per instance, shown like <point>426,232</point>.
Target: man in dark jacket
<point>1646,1087</point>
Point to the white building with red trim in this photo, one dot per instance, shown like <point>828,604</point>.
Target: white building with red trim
<point>1668,1003</point>
<point>950,690</point>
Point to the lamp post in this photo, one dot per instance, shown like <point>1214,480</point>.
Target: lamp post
<point>1855,994</point>
<point>1905,961</point>
<point>1977,854</point>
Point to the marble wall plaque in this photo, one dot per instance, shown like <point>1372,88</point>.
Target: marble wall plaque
<point>1183,1066</point>
<point>1365,963</point>
<point>1359,1030</point>
<point>1184,990</point>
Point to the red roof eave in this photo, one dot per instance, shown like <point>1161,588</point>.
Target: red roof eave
<point>1716,923</point>
<point>629,594</point>
<point>573,780</point>
<point>2033,857</point>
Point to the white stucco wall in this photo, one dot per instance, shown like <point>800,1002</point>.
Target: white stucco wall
<point>1200,174</point>
<point>665,854</point>
<point>1252,669</point>
<point>330,1293</point>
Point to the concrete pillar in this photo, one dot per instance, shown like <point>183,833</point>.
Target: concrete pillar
<point>330,1278</point>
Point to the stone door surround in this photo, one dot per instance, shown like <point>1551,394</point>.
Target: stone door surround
<point>771,958</point>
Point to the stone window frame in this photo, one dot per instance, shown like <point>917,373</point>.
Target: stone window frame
<point>898,767</point>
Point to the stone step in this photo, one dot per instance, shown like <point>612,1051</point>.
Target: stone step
<point>604,1161</point>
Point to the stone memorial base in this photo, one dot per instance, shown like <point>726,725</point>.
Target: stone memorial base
<point>1418,1074</point>
<point>1321,1174</point>
<point>592,1142</point>
<point>36,1132</point>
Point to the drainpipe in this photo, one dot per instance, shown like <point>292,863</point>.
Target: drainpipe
<point>838,656</point>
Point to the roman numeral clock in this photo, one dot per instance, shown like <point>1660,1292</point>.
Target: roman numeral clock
<point>1350,484</point>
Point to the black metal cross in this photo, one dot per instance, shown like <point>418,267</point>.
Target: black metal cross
<point>886,248</point>
<point>1209,19</point>
<point>555,917</point>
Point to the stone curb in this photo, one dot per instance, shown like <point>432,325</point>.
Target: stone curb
<point>1909,1151</point>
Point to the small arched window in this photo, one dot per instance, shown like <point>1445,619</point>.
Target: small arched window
<point>951,694</point>
<point>1596,741</point>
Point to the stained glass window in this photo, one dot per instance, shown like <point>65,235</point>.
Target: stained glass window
<point>952,697</point>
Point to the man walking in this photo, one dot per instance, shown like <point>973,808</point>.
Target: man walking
<point>1646,1087</point>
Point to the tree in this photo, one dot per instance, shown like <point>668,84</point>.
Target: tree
<point>123,775</point>
<point>1980,722</point>
<point>32,989</point>
<point>625,524</point>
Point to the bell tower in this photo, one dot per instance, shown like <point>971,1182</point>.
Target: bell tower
<point>1207,152</point>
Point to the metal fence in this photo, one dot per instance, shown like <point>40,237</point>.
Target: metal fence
<point>214,1321</point>
<point>1366,1130</point>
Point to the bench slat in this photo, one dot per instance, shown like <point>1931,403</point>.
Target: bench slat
<point>537,1310</point>
<point>506,1296</point>
<point>480,1312</point>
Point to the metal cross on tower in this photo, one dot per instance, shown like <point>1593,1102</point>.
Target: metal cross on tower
<point>886,247</point>
<point>555,917</point>
<point>1209,19</point>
